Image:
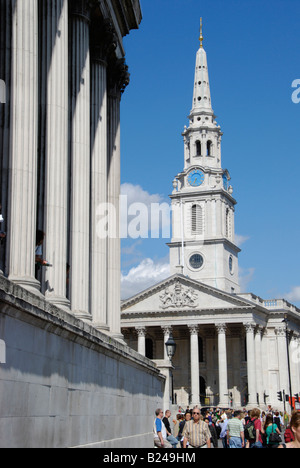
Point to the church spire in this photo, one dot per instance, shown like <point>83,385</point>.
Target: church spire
<point>201,98</point>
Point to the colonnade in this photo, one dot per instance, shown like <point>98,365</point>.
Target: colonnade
<point>60,153</point>
<point>256,361</point>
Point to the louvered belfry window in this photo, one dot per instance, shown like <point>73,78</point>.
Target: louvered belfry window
<point>197,220</point>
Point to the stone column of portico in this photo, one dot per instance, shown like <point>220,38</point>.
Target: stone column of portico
<point>98,252</point>
<point>222,359</point>
<point>167,331</point>
<point>294,362</point>
<point>80,159</point>
<point>259,364</point>
<point>118,78</point>
<point>141,332</point>
<point>23,150</point>
<point>54,49</point>
<point>283,358</point>
<point>195,376</point>
<point>252,401</point>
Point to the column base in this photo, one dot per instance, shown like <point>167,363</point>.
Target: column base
<point>30,284</point>
<point>118,337</point>
<point>58,301</point>
<point>101,326</point>
<point>82,315</point>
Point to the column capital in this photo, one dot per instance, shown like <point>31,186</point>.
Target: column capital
<point>104,40</point>
<point>141,331</point>
<point>249,327</point>
<point>193,329</point>
<point>221,328</point>
<point>280,330</point>
<point>81,9</point>
<point>166,329</point>
<point>118,76</point>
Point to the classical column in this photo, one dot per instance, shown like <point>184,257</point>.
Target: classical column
<point>80,159</point>
<point>55,75</point>
<point>118,78</point>
<point>252,402</point>
<point>195,377</point>
<point>166,331</point>
<point>283,359</point>
<point>141,332</point>
<point>259,364</point>
<point>294,362</point>
<point>102,43</point>
<point>222,359</point>
<point>23,150</point>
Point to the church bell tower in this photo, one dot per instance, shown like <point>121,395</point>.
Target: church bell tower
<point>203,241</point>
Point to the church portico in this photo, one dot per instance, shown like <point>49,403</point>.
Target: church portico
<point>216,362</point>
<point>210,364</point>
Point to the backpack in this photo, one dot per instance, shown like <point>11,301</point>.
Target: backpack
<point>250,432</point>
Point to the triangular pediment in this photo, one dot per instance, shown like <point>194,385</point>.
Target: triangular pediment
<point>179,293</point>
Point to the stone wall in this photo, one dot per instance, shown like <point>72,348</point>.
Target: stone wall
<point>65,384</point>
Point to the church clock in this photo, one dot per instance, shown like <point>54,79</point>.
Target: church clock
<point>195,178</point>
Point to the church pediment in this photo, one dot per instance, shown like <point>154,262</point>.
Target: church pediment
<point>179,293</point>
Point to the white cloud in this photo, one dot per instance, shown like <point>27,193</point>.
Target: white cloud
<point>143,276</point>
<point>294,294</point>
<point>245,278</point>
<point>144,215</point>
<point>240,240</point>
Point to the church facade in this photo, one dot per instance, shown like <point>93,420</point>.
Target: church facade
<point>233,349</point>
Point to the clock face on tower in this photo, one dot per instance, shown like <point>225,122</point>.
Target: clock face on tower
<point>195,178</point>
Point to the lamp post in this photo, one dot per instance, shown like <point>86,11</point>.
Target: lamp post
<point>285,320</point>
<point>171,349</point>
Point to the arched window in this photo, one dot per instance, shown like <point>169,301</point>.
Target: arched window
<point>209,148</point>
<point>197,219</point>
<point>198,148</point>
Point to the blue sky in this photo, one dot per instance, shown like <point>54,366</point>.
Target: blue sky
<point>253,49</point>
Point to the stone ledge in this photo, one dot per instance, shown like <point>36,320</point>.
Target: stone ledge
<point>17,302</point>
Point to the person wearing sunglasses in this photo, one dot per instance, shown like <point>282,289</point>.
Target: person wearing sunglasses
<point>196,432</point>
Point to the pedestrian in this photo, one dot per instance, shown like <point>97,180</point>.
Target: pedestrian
<point>277,420</point>
<point>295,426</point>
<point>235,431</point>
<point>213,432</point>
<point>187,417</point>
<point>159,431</point>
<point>223,434</point>
<point>272,433</point>
<point>255,429</point>
<point>170,438</point>
<point>196,432</point>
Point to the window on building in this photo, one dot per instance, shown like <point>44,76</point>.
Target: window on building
<point>209,148</point>
<point>197,219</point>
<point>198,148</point>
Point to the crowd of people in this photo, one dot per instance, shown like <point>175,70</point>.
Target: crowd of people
<point>212,428</point>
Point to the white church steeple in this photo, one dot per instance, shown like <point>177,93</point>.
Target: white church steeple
<point>201,98</point>
<point>203,242</point>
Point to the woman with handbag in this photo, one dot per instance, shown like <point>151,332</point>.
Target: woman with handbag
<point>272,433</point>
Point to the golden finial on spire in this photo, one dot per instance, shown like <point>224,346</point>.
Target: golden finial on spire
<point>201,35</point>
